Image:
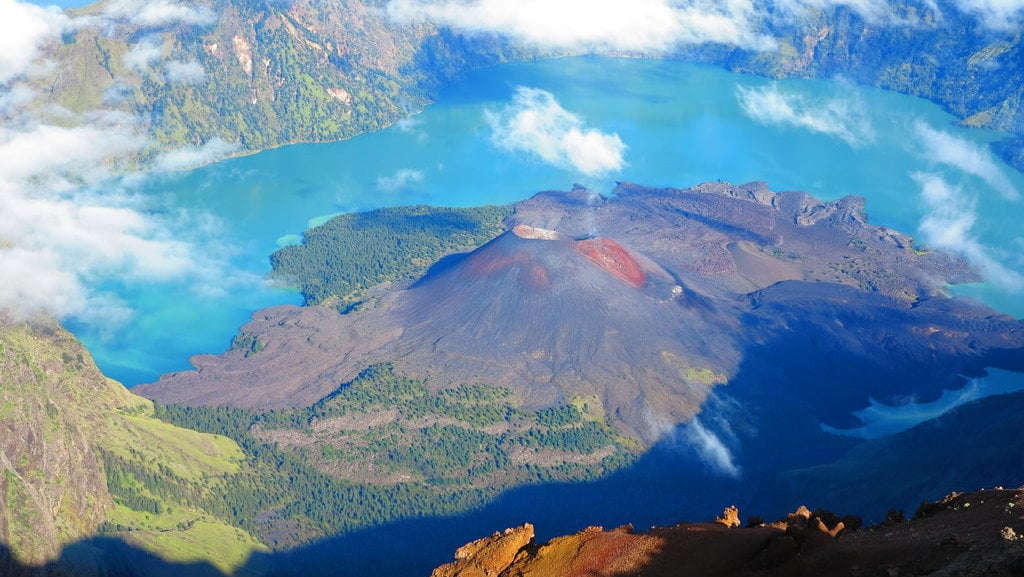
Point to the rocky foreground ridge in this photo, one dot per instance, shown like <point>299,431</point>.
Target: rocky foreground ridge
<point>971,534</point>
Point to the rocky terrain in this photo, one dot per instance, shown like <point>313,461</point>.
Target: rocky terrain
<point>973,534</point>
<point>80,455</point>
<point>646,301</point>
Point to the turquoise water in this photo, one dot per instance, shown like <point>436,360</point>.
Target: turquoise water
<point>681,124</point>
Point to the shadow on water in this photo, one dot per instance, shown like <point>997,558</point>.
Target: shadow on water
<point>819,363</point>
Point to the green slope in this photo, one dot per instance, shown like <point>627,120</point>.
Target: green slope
<point>81,455</point>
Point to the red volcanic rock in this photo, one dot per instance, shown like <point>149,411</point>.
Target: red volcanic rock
<point>730,517</point>
<point>488,557</point>
<point>969,535</point>
<point>613,259</point>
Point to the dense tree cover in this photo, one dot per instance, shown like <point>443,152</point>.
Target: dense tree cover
<point>436,453</point>
<point>352,252</point>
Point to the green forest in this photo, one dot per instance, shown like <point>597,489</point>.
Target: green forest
<point>338,260</point>
<point>338,465</point>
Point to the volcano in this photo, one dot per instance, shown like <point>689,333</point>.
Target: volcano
<point>646,302</point>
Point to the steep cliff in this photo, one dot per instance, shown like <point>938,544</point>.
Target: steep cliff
<point>80,455</point>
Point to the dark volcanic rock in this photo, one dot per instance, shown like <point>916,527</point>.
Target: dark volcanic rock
<point>644,301</point>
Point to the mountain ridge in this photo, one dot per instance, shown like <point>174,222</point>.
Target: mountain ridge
<point>305,71</point>
<point>80,454</point>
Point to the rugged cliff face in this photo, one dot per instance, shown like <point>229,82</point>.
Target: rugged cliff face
<point>80,456</point>
<point>964,534</point>
<point>53,402</point>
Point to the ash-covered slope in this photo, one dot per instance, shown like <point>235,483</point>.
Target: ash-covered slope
<point>642,302</point>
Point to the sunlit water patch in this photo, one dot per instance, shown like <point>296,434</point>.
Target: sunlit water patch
<point>881,419</point>
<point>583,120</point>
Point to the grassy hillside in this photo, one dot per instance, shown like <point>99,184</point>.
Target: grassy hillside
<point>81,455</point>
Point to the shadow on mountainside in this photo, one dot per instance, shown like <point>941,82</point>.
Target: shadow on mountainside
<point>104,557</point>
<point>758,444</point>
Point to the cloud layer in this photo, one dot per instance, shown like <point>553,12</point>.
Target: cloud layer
<point>964,155</point>
<point>588,25</point>
<point>995,14</point>
<point>70,220</point>
<point>710,448</point>
<point>535,123</point>
<point>67,224</point>
<point>195,156</point>
<point>24,28</point>
<point>950,216</point>
<point>842,118</point>
<point>157,13</point>
<point>664,25</point>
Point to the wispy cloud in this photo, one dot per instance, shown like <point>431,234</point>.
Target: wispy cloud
<point>66,224</point>
<point>400,180</point>
<point>69,221</point>
<point>535,123</point>
<point>157,12</point>
<point>185,72</point>
<point>586,25</point>
<point>948,223</point>
<point>995,14</point>
<point>870,10</point>
<point>195,156</point>
<point>144,54</point>
<point>710,448</point>
<point>24,29</point>
<point>845,119</point>
<point>964,155</point>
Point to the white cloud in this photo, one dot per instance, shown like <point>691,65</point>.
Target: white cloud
<point>535,123</point>
<point>179,72</point>
<point>69,222</point>
<point>409,124</point>
<point>870,10</point>
<point>995,14</point>
<point>964,155</point>
<point>15,97</point>
<point>157,12</point>
<point>144,54</point>
<point>400,180</point>
<point>24,29</point>
<point>58,156</point>
<point>710,448</point>
<point>596,25</point>
<point>842,118</point>
<point>949,219</point>
<point>195,156</point>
